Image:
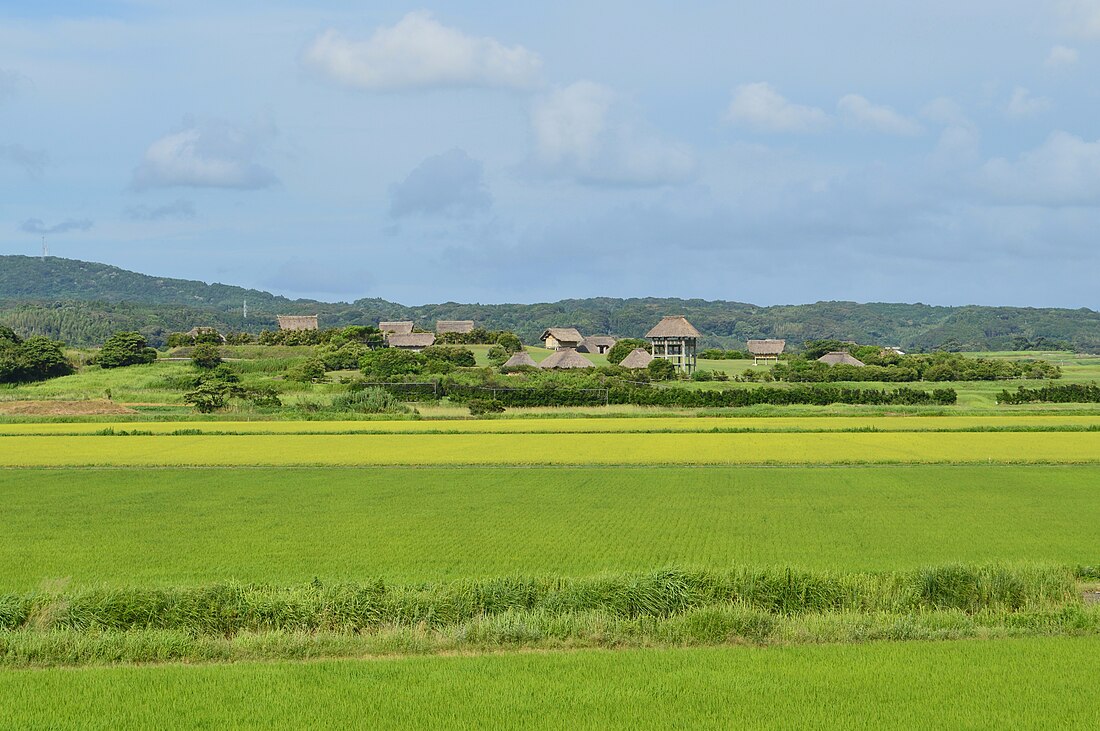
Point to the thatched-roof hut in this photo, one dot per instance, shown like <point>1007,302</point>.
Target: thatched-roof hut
<point>764,350</point>
<point>520,359</point>
<point>410,341</point>
<point>637,358</point>
<point>454,326</point>
<point>566,358</point>
<point>562,337</point>
<point>397,327</point>
<point>598,344</point>
<point>297,322</point>
<point>675,339</point>
<point>838,357</point>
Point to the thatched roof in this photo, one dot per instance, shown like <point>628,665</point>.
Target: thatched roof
<point>566,358</point>
<point>837,357</point>
<point>637,358</point>
<point>399,327</point>
<point>454,326</point>
<point>522,358</point>
<point>593,343</point>
<point>410,340</point>
<point>563,334</point>
<point>766,347</point>
<point>196,331</point>
<point>673,326</point>
<point>297,322</point>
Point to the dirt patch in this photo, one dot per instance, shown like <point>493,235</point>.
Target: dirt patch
<point>63,408</point>
<point>1091,597</point>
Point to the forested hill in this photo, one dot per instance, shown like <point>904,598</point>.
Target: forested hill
<point>82,303</point>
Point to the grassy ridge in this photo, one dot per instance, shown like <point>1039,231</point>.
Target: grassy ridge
<point>686,424</point>
<point>198,526</point>
<point>1023,684</point>
<point>553,449</point>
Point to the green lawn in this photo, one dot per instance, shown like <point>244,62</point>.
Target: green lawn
<point>1044,683</point>
<point>191,526</point>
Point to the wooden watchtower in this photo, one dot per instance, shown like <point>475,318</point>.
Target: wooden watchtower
<point>675,339</point>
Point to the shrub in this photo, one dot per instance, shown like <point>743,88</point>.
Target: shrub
<point>125,349</point>
<point>460,357</point>
<point>481,407</point>
<point>660,369</point>
<point>509,342</point>
<point>386,363</point>
<point>498,355</point>
<point>307,371</point>
<point>371,400</point>
<point>206,356</point>
<point>622,348</point>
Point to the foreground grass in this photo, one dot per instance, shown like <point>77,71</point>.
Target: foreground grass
<point>126,527</point>
<point>554,449</point>
<point>1013,683</point>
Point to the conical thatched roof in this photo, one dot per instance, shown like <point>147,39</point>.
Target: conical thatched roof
<point>766,347</point>
<point>637,358</point>
<point>398,327</point>
<point>522,358</point>
<point>566,358</point>
<point>673,326</point>
<point>837,357</point>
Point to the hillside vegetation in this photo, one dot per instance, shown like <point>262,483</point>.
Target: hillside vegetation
<point>83,303</point>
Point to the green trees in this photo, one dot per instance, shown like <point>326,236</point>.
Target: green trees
<point>34,359</point>
<point>622,348</point>
<point>459,357</point>
<point>660,369</point>
<point>387,363</point>
<point>205,356</point>
<point>125,349</point>
<point>307,371</point>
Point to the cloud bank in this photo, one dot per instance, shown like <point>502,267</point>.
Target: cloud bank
<point>179,208</point>
<point>419,52</point>
<point>760,106</point>
<point>449,184</point>
<point>37,226</point>
<point>860,113</point>
<point>32,161</point>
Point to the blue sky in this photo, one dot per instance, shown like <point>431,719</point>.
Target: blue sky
<point>767,152</point>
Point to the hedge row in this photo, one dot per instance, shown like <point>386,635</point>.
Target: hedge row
<point>1075,393</point>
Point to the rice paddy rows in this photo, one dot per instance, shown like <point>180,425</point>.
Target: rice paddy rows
<point>187,527</point>
<point>1018,422</point>
<point>554,449</point>
<point>1037,683</point>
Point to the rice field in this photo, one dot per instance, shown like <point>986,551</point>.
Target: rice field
<point>188,527</point>
<point>553,449</point>
<point>1036,683</point>
<point>687,424</point>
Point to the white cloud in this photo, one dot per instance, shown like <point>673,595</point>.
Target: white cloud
<point>450,184</point>
<point>589,132</point>
<point>215,154</point>
<point>960,139</point>
<point>1061,56</point>
<point>759,105</point>
<point>1023,104</point>
<point>419,52</point>
<point>1063,171</point>
<point>860,113</point>
<point>9,84</point>
<point>1081,18</point>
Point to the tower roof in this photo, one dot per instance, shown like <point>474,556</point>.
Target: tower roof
<point>673,326</point>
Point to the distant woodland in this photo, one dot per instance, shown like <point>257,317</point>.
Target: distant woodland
<point>83,303</point>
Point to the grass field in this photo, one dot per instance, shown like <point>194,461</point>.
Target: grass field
<point>170,527</point>
<point>1020,684</point>
<point>553,449</point>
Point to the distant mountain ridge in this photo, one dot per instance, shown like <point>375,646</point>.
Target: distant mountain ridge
<point>84,302</point>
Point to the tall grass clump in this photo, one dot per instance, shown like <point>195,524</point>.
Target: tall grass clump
<point>371,400</point>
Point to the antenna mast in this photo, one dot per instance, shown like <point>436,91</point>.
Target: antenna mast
<point>45,248</point>
<point>246,309</point>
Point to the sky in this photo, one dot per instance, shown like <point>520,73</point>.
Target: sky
<point>770,152</point>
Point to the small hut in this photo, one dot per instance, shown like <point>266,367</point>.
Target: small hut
<point>637,358</point>
<point>197,331</point>
<point>765,350</point>
<point>566,358</point>
<point>674,339</point>
<point>410,341</point>
<point>839,357</point>
<point>520,359</point>
<point>598,344</point>
<point>297,322</point>
<point>562,337</point>
<point>397,327</point>
<point>454,326</point>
